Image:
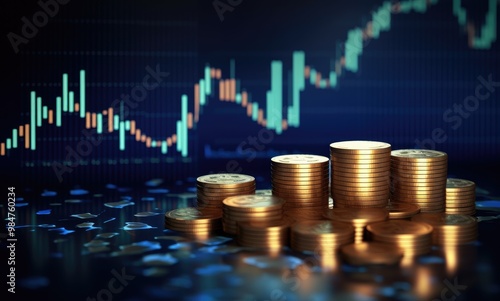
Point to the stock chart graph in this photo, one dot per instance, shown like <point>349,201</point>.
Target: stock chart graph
<point>161,90</point>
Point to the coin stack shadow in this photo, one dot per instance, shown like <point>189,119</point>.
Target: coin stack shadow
<point>213,189</point>
<point>245,208</point>
<point>360,173</point>
<point>449,229</point>
<point>302,181</point>
<point>419,177</point>
<point>460,197</point>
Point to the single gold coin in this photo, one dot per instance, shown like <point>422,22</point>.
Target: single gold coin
<point>226,180</point>
<point>366,253</point>
<point>400,229</point>
<point>418,155</point>
<point>253,202</point>
<point>402,210</point>
<point>299,160</point>
<point>360,147</point>
<point>191,215</point>
<point>459,184</point>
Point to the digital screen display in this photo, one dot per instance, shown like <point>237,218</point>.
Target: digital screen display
<point>126,91</point>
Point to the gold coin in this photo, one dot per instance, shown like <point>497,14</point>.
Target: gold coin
<point>459,184</point>
<point>360,147</point>
<point>371,253</point>
<point>299,160</point>
<point>402,210</point>
<point>192,215</point>
<point>254,202</point>
<point>417,155</point>
<point>225,180</point>
<point>400,229</point>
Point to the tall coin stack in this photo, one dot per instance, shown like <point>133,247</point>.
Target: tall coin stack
<point>419,177</point>
<point>213,189</point>
<point>414,238</point>
<point>302,181</point>
<point>244,208</point>
<point>460,197</point>
<point>360,173</point>
<point>323,237</point>
<point>450,229</point>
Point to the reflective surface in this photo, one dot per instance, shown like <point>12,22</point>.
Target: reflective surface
<point>109,243</point>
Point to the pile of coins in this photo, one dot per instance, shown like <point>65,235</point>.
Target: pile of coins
<point>271,235</point>
<point>419,177</point>
<point>402,210</point>
<point>359,218</point>
<point>244,208</point>
<point>414,238</point>
<point>360,173</point>
<point>196,222</point>
<point>213,189</point>
<point>460,197</point>
<point>450,229</point>
<point>322,237</point>
<point>302,181</point>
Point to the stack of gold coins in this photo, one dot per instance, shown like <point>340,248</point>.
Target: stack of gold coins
<point>196,222</point>
<point>460,197</point>
<point>402,210</point>
<point>360,173</point>
<point>450,229</point>
<point>271,235</point>
<point>371,253</point>
<point>359,218</point>
<point>301,180</point>
<point>419,177</point>
<point>253,207</point>
<point>414,238</point>
<point>322,237</point>
<point>213,189</point>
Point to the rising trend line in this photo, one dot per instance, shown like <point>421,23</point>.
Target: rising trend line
<point>229,89</point>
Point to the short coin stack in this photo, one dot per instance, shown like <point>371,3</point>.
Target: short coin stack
<point>196,222</point>
<point>244,208</point>
<point>358,218</point>
<point>213,189</point>
<point>301,180</point>
<point>460,197</point>
<point>450,229</point>
<point>414,238</point>
<point>360,173</point>
<point>271,235</point>
<point>323,237</point>
<point>419,177</point>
